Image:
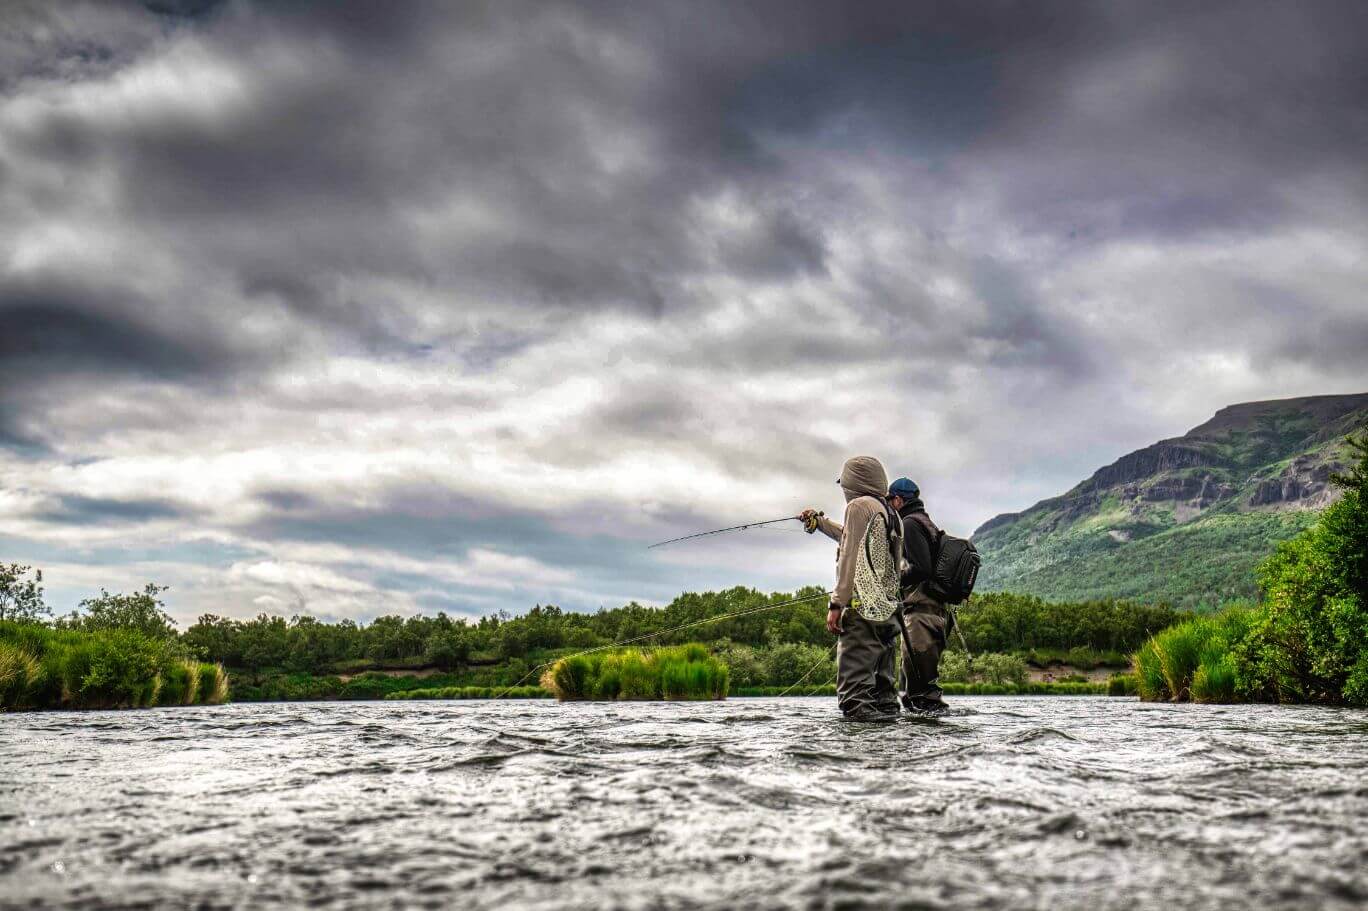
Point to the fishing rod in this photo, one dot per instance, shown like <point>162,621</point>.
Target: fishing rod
<point>718,531</point>
<point>672,629</point>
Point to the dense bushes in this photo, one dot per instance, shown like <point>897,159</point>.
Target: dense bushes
<point>43,667</point>
<point>1307,641</point>
<point>679,672</point>
<point>992,667</point>
<point>1003,622</point>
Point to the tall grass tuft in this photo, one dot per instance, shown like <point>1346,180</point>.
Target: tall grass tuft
<point>1121,685</point>
<point>678,673</point>
<point>1214,680</point>
<point>19,672</point>
<point>1149,675</point>
<point>1195,660</point>
<point>213,685</point>
<point>1180,653</point>
<point>180,683</point>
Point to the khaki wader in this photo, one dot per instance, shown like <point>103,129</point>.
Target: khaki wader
<point>864,665</point>
<point>927,623</point>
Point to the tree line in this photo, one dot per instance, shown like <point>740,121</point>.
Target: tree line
<point>997,622</point>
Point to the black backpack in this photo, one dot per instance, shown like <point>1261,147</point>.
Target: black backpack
<point>955,563</point>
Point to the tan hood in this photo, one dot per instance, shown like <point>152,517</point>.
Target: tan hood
<point>863,476</point>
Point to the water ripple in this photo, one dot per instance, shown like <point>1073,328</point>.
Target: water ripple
<point>1006,803</point>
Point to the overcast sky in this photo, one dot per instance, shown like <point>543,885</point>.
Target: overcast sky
<point>353,309</point>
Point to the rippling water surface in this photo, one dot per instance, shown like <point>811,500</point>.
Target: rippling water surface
<point>1007,803</point>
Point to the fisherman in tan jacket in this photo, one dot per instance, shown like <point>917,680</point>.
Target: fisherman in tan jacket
<point>867,596</point>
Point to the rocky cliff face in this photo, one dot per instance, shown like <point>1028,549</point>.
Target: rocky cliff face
<point>1253,459</point>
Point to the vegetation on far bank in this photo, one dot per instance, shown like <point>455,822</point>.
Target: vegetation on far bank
<point>271,658</point>
<point>1306,641</point>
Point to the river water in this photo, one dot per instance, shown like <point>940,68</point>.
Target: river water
<point>1007,803</point>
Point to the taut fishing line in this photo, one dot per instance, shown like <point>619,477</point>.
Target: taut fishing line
<point>824,660</point>
<point>672,629</point>
<point>718,531</point>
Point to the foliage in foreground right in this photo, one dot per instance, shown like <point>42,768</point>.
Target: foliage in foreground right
<point>1307,641</point>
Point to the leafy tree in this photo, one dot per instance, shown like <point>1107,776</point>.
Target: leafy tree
<point>788,663</point>
<point>1311,642</point>
<point>141,612</point>
<point>447,649</point>
<point>20,598</point>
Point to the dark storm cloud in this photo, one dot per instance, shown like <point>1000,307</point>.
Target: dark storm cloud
<point>53,328</point>
<point>309,235</point>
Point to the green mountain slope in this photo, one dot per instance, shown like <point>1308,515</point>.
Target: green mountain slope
<point>1185,520</point>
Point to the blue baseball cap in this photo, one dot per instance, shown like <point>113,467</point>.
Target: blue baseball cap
<point>905,488</point>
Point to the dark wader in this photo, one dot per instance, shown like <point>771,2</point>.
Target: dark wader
<point>864,666</point>
<point>927,623</point>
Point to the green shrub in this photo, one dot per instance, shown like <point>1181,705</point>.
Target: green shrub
<point>787,663</point>
<point>609,682</point>
<point>1001,669</point>
<point>1179,649</point>
<point>120,669</point>
<point>101,667</point>
<point>1197,660</point>
<point>19,672</point>
<point>1311,642</point>
<point>639,678</point>
<point>954,667</point>
<point>1121,685</point>
<point>180,683</point>
<point>213,685</point>
<point>1214,679</point>
<point>744,666</point>
<point>1149,674</point>
<point>571,678</point>
<point>676,672</point>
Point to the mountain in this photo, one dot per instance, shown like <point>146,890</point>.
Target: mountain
<point>1185,520</point>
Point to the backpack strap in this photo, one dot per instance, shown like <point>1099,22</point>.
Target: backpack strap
<point>933,534</point>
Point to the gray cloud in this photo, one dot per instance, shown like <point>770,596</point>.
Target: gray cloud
<point>78,510</point>
<point>350,287</point>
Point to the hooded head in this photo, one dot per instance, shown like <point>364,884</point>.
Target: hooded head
<point>863,476</point>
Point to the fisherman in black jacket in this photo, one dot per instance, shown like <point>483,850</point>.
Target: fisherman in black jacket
<point>926,622</point>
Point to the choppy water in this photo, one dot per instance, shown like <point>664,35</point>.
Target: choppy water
<point>1009,803</point>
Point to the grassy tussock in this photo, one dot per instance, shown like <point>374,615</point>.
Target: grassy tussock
<point>1193,661</point>
<point>1122,685</point>
<point>46,668</point>
<point>213,684</point>
<point>684,672</point>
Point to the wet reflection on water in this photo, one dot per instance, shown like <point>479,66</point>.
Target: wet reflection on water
<point>1007,803</point>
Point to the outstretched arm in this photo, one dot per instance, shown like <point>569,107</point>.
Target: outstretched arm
<point>857,518</point>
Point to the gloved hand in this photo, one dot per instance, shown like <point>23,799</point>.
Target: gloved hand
<point>809,519</point>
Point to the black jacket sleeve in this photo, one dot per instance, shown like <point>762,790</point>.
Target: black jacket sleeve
<point>917,549</point>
